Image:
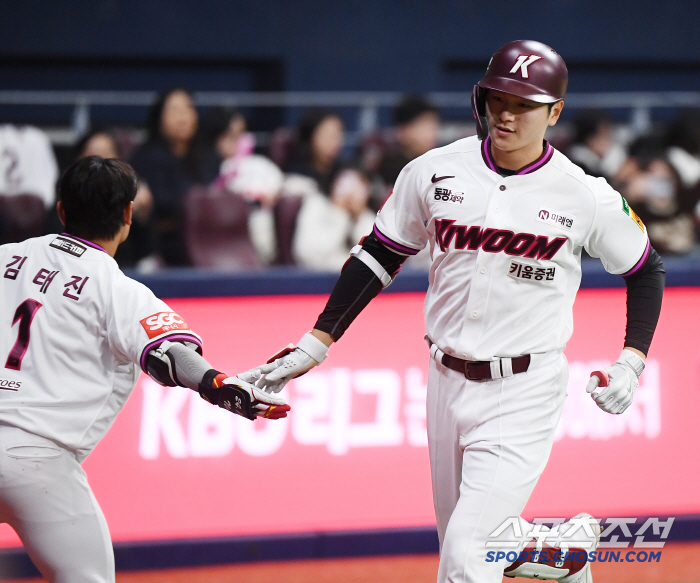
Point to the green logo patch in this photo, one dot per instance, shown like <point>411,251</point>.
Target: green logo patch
<point>625,206</point>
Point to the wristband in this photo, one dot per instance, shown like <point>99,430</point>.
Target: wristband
<point>313,347</point>
<point>633,361</point>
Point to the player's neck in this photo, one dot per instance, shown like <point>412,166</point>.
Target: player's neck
<point>517,159</point>
<point>109,245</point>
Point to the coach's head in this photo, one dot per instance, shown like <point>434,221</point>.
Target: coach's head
<point>96,200</point>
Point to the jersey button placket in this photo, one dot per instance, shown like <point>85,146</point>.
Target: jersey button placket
<point>478,297</point>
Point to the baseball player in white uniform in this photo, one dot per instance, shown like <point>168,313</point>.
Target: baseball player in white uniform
<point>507,218</point>
<point>76,333</point>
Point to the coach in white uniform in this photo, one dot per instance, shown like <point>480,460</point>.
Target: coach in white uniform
<point>76,333</point>
<point>507,218</point>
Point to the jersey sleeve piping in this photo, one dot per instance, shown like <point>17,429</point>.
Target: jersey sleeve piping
<point>393,245</point>
<point>641,261</point>
<point>170,336</point>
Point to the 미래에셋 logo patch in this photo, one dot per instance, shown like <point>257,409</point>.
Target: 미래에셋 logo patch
<point>556,218</point>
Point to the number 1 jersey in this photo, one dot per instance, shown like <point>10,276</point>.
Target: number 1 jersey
<point>75,332</point>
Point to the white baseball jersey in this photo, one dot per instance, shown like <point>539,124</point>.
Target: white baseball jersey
<point>506,251</point>
<point>75,332</point>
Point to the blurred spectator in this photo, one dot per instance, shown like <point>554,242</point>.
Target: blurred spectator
<point>328,227</point>
<point>684,155</point>
<point>224,130</point>
<point>684,147</point>
<point>320,141</point>
<point>28,174</point>
<point>27,163</point>
<point>417,125</point>
<point>594,148</point>
<point>654,190</point>
<point>97,143</point>
<point>171,161</point>
<point>259,181</point>
<point>137,251</point>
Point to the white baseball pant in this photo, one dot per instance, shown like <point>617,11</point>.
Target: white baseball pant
<point>489,442</point>
<point>46,499</point>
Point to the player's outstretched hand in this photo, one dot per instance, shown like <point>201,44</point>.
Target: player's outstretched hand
<point>618,383</point>
<point>242,398</point>
<point>291,362</point>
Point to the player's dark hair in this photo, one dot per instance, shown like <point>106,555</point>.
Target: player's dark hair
<point>410,107</point>
<point>94,193</point>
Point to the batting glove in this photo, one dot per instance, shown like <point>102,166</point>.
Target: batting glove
<point>291,362</point>
<point>619,382</point>
<point>240,397</point>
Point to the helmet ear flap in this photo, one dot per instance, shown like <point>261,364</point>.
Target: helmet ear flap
<point>479,110</point>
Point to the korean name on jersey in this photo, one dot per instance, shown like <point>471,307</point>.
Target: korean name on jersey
<point>506,251</point>
<point>75,333</point>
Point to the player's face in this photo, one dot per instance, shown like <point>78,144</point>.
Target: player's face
<point>516,123</point>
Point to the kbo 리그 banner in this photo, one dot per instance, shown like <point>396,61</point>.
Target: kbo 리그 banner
<point>353,452</point>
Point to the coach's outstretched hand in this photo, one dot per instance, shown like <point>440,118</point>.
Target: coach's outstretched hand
<point>291,362</point>
<point>619,382</point>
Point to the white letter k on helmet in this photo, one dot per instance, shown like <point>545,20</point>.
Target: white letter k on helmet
<point>522,64</point>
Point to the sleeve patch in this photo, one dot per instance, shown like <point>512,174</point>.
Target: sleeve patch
<point>163,322</point>
<point>625,206</point>
<point>637,220</point>
<point>630,213</point>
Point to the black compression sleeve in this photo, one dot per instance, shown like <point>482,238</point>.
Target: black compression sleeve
<point>356,287</point>
<point>644,292</point>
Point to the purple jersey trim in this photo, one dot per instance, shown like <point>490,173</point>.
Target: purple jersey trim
<point>486,154</point>
<point>172,337</point>
<point>393,244</point>
<point>541,161</point>
<point>93,245</point>
<point>641,262</point>
<point>546,156</point>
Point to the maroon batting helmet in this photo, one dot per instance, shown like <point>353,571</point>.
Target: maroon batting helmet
<point>526,68</point>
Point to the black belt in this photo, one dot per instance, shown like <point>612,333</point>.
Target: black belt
<point>481,370</point>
